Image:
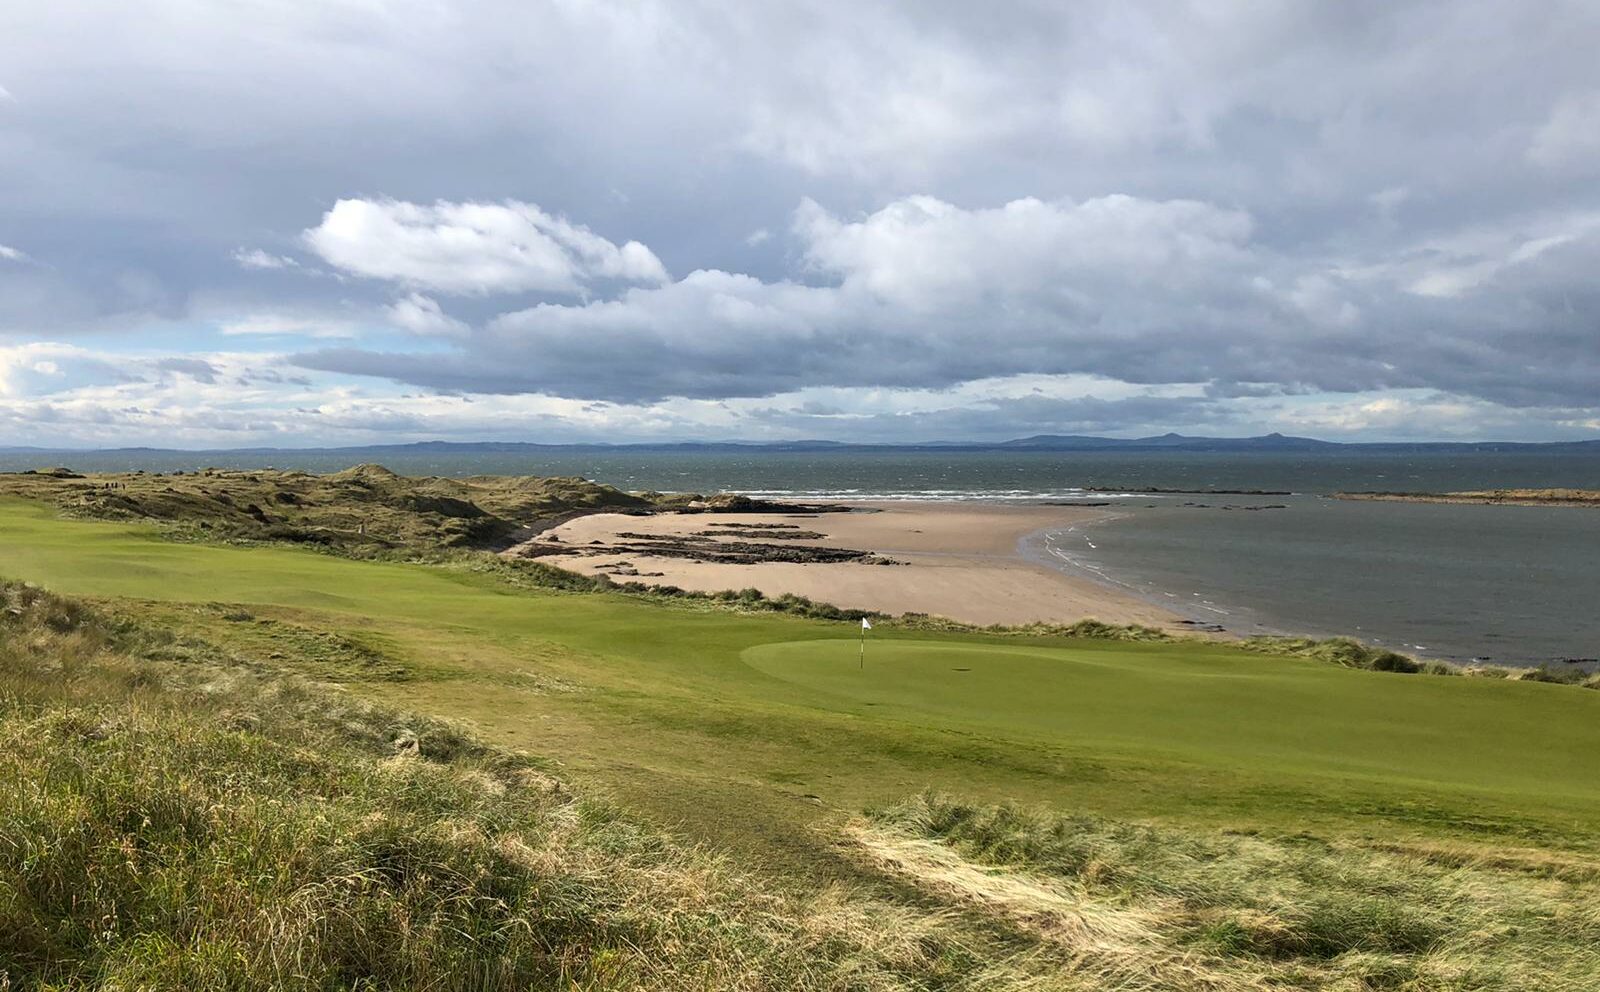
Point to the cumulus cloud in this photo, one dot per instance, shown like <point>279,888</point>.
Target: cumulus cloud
<point>926,294</point>
<point>923,254</point>
<point>474,247</point>
<point>921,293</point>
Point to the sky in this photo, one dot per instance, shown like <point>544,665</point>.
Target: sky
<point>272,222</point>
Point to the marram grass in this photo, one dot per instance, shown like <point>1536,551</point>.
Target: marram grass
<point>185,824</point>
<point>1191,909</point>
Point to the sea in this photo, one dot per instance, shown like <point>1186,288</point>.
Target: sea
<point>1508,584</point>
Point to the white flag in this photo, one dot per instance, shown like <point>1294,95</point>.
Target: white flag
<point>865,625</point>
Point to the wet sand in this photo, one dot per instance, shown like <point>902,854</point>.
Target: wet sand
<point>957,560</point>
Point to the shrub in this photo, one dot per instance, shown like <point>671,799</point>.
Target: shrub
<point>1347,652</point>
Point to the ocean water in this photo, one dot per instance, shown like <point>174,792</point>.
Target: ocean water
<point>914,474</point>
<point>1516,585</point>
<point>1513,584</point>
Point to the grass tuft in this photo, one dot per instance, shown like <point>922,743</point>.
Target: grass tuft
<point>1295,911</point>
<point>1346,652</point>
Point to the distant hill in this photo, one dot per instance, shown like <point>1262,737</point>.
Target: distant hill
<point>1038,442</point>
<point>1169,441</point>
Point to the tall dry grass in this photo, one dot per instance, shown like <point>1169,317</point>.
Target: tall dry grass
<point>169,820</point>
<point>1192,910</point>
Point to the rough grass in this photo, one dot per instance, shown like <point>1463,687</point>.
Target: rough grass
<point>182,823</point>
<point>1510,497</point>
<point>1347,652</point>
<point>363,510</point>
<point>174,818</point>
<point>1218,910</point>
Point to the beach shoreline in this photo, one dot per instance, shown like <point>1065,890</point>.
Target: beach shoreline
<point>965,560</point>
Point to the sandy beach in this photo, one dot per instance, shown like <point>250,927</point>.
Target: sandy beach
<point>958,560</point>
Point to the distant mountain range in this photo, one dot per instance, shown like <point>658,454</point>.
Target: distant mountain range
<point>1038,442</point>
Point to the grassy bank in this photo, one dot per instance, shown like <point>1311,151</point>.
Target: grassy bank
<point>1347,652</point>
<point>171,818</point>
<point>176,816</point>
<point>1236,910</point>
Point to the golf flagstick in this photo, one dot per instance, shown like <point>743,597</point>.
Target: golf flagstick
<point>866,625</point>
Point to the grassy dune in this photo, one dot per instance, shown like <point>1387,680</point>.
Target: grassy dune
<point>1240,910</point>
<point>1281,792</point>
<point>173,819</point>
<point>365,509</point>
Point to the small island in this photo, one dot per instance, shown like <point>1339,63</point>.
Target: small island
<point>1501,497</point>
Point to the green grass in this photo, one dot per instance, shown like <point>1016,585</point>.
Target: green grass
<point>173,819</point>
<point>723,724</point>
<point>184,802</point>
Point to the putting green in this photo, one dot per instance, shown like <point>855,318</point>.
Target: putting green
<point>1217,706</point>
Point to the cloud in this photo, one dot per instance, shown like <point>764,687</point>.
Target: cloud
<point>923,293</point>
<point>1258,203</point>
<point>195,368</point>
<point>255,258</point>
<point>1570,138</point>
<point>421,315</point>
<point>469,248</point>
<point>247,402</point>
<point>1483,258</point>
<point>920,293</point>
<point>286,324</point>
<point>10,254</point>
<point>922,254</point>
